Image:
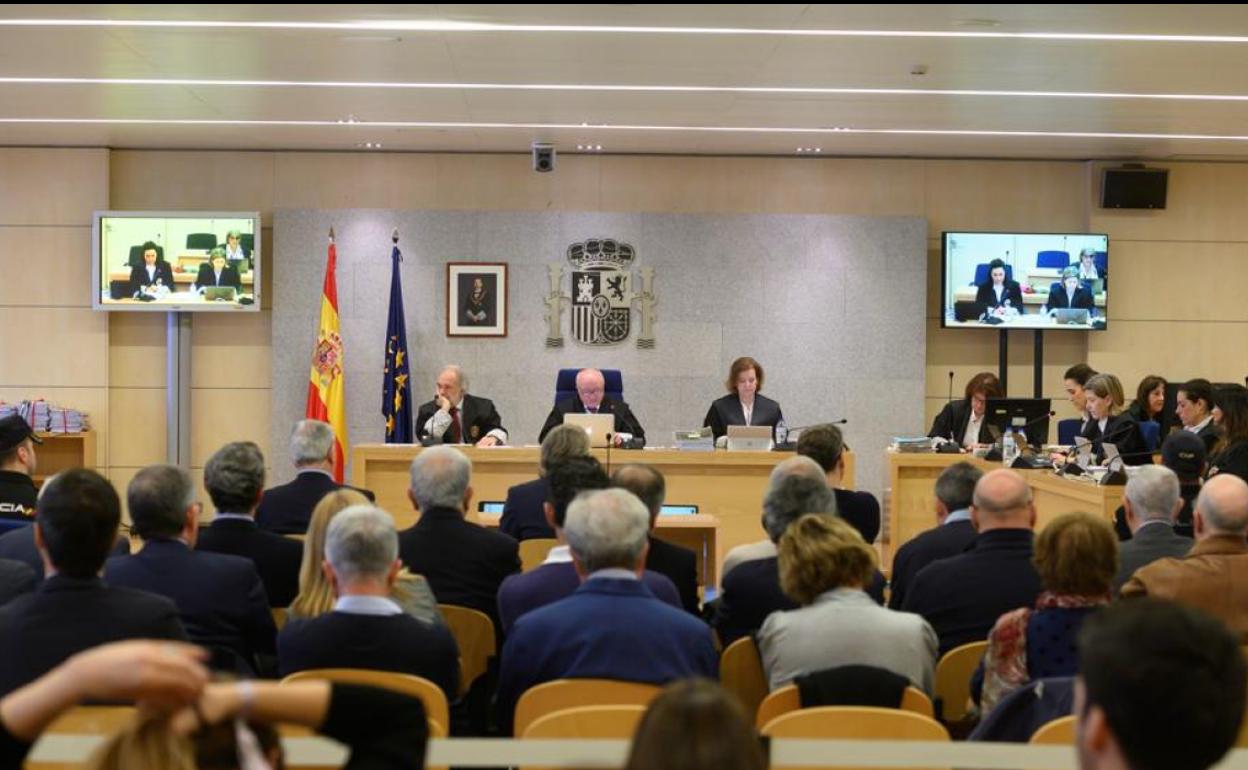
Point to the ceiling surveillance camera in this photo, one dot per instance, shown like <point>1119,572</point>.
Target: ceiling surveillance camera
<point>543,157</point>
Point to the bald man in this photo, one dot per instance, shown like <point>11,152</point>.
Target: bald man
<point>963,596</point>
<point>1214,575</point>
<point>591,398</point>
<point>454,417</point>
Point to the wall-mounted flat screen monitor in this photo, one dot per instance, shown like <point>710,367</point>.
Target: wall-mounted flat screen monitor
<point>176,261</point>
<point>1025,280</point>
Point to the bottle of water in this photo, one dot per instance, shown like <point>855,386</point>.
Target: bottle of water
<point>1009,448</point>
<point>782,433</point>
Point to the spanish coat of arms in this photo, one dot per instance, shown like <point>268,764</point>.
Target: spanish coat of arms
<point>603,295</point>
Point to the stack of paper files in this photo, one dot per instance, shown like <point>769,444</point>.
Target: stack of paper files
<point>64,420</point>
<point>695,440</point>
<point>911,444</point>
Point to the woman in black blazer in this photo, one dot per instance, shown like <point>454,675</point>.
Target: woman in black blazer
<point>997,293</point>
<point>745,379</point>
<point>1071,294</point>
<point>1230,413</point>
<point>954,419</point>
<point>1109,424</point>
<point>153,272</point>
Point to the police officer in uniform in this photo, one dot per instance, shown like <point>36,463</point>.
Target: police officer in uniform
<point>17,465</point>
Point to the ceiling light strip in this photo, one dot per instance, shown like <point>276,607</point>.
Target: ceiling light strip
<point>620,127</point>
<point>433,25</point>
<point>780,90</point>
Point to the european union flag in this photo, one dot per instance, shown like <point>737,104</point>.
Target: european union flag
<point>396,396</point>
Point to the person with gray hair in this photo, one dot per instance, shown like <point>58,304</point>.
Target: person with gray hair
<point>234,478</point>
<point>464,562</point>
<point>799,466</point>
<point>368,629</point>
<point>1213,576</point>
<point>751,591</point>
<point>679,564</point>
<point>286,509</point>
<point>1150,501</point>
<point>612,627</point>
<point>523,514</point>
<point>455,417</point>
<point>955,489</point>
<point>962,596</point>
<point>220,598</point>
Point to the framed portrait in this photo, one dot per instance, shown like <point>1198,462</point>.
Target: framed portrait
<point>476,299</point>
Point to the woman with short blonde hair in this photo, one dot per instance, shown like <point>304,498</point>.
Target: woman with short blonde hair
<point>1108,424</point>
<point>1077,557</point>
<point>824,566</point>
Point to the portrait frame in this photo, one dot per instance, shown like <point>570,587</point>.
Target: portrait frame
<point>476,309</point>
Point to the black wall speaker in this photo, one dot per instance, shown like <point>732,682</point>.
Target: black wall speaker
<point>1134,188</point>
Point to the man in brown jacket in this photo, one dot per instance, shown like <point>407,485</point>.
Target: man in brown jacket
<point>1214,574</point>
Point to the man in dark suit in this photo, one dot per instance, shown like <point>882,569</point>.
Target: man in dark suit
<point>963,596</point>
<point>998,293</point>
<point>234,478</point>
<point>19,545</point>
<point>825,445</point>
<point>463,562</point>
<point>219,597</point>
<point>591,398</point>
<point>215,272</point>
<point>1150,501</point>
<point>455,417</point>
<point>751,589</point>
<point>556,578</point>
<point>524,514</point>
<point>152,273</point>
<point>1149,672</point>
<point>287,509</point>
<point>72,610</point>
<point>15,579</point>
<point>366,628</point>
<point>953,534</point>
<point>17,466</point>
<point>612,627</point>
<point>680,565</point>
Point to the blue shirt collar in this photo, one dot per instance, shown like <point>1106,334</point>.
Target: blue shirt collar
<point>613,573</point>
<point>962,514</point>
<point>367,605</point>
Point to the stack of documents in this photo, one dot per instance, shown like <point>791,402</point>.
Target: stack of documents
<point>910,444</point>
<point>695,440</point>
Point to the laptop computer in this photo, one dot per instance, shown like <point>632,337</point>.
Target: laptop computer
<point>224,293</point>
<point>964,310</point>
<point>490,506</point>
<point>1071,315</point>
<point>749,438</point>
<point>598,426</point>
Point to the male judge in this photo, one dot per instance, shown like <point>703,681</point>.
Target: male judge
<point>591,398</point>
<point>454,417</point>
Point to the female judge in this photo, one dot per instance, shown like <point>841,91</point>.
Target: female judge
<point>743,405</point>
<point>998,294</point>
<point>963,421</point>
<point>1109,424</point>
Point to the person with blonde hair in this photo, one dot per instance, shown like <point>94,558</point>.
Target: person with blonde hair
<point>316,595</point>
<point>825,566</point>
<point>1077,557</point>
<point>1108,424</point>
<point>695,724</point>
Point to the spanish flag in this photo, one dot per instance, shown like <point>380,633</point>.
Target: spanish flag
<point>326,393</point>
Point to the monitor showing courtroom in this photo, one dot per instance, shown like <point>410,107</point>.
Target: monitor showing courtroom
<point>1025,280</point>
<point>181,261</point>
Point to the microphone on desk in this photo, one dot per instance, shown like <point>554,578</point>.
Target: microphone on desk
<point>610,441</point>
<point>1117,476</point>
